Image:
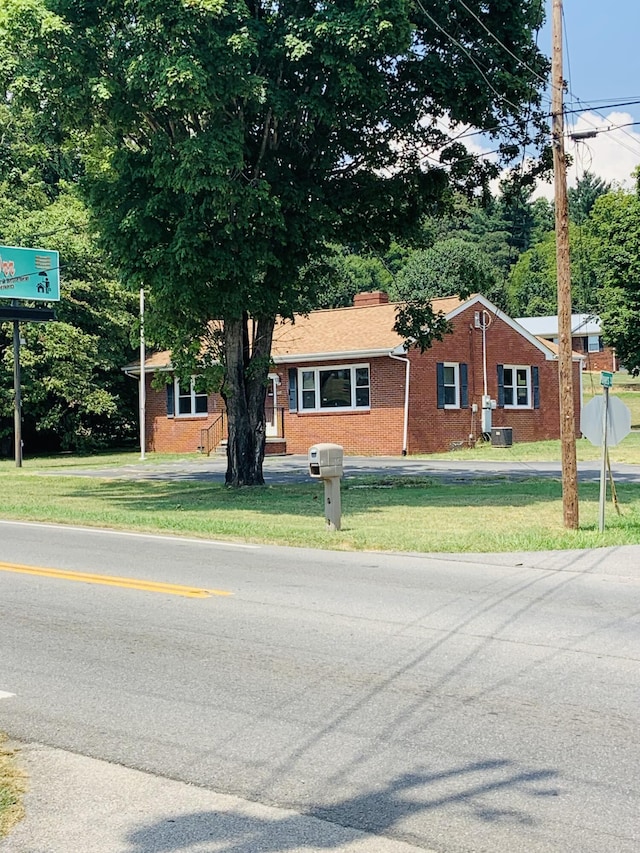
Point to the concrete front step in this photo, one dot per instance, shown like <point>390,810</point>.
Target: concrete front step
<point>273,447</point>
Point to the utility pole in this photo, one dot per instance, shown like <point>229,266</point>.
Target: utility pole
<point>142,395</point>
<point>565,360</point>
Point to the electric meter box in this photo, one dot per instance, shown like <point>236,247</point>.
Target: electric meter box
<point>326,461</point>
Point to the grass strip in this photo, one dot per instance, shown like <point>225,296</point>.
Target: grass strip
<point>12,787</point>
<point>388,513</point>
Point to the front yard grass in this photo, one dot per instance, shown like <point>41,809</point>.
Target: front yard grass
<point>387,513</point>
<point>12,787</point>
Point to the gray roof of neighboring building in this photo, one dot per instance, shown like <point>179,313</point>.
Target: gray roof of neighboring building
<point>581,324</point>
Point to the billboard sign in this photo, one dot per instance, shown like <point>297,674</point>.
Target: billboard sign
<point>29,274</point>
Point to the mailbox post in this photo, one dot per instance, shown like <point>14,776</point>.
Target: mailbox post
<point>326,463</point>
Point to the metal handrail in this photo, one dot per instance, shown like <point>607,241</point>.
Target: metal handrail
<point>211,436</point>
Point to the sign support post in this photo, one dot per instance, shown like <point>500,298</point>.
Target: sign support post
<point>605,422</point>
<point>603,468</point>
<point>17,399</point>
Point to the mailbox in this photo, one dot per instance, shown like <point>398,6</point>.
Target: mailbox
<point>326,461</point>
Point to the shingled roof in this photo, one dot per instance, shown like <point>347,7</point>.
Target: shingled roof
<point>362,330</point>
<point>344,332</point>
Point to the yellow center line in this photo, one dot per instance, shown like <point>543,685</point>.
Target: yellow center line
<point>110,580</point>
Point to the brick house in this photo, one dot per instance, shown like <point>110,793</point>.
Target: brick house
<point>586,338</point>
<point>343,375</point>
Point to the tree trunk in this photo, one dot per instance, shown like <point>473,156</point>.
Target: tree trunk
<point>244,392</point>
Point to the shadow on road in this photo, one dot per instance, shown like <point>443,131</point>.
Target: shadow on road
<point>476,787</point>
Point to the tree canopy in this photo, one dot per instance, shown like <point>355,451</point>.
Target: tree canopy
<point>450,267</point>
<point>75,395</point>
<point>615,224</point>
<point>226,142</point>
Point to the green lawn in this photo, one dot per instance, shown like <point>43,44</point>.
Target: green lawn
<point>379,513</point>
<point>12,786</point>
<point>384,513</point>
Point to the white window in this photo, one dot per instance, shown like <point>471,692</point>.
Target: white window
<point>593,343</point>
<point>451,385</point>
<point>190,401</point>
<point>517,386</point>
<point>341,387</point>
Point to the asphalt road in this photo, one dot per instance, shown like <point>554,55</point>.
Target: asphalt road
<point>484,703</point>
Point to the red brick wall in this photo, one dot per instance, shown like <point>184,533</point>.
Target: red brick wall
<point>432,429</point>
<point>377,431</point>
<point>604,360</point>
<point>380,430</point>
<point>175,434</point>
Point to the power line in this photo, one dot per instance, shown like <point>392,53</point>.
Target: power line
<point>597,112</point>
<point>619,141</point>
<point>543,80</point>
<point>606,106</point>
<point>579,136</point>
<point>464,49</point>
<point>585,106</point>
<point>502,45</point>
<point>588,107</point>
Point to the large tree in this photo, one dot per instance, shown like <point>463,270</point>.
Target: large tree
<point>450,267</point>
<point>615,228</point>
<point>74,393</point>
<point>226,142</point>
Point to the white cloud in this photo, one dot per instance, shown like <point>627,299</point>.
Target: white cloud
<point>612,154</point>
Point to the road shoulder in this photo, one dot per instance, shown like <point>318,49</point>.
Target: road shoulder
<point>80,803</point>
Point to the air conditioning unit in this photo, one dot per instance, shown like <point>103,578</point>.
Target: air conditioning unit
<point>501,437</point>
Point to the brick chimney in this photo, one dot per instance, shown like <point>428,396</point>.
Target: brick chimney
<point>373,297</point>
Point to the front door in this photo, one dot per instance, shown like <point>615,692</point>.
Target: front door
<point>271,407</point>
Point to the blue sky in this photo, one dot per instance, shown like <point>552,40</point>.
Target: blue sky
<point>602,66</point>
<point>601,50</point>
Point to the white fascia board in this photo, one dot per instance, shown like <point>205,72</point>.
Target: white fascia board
<point>493,309</point>
<point>312,358</point>
<point>135,371</point>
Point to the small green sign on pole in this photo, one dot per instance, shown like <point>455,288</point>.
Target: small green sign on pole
<point>606,379</point>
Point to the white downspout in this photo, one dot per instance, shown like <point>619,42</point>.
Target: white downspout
<point>581,372</point>
<point>405,429</point>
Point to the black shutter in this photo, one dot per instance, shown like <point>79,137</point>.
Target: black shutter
<point>293,389</point>
<point>501,385</point>
<point>171,406</point>
<point>536,387</point>
<point>440,375</point>
<point>464,387</point>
